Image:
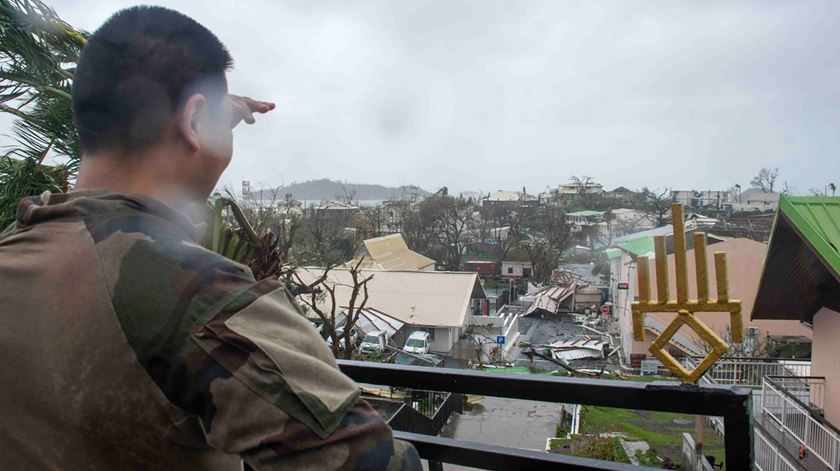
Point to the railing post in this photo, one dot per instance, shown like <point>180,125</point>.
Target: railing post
<point>738,439</point>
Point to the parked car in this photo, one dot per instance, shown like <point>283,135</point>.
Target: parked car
<point>354,337</point>
<point>374,342</point>
<point>417,343</point>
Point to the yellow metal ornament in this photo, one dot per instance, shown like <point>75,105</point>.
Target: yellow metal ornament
<point>684,307</point>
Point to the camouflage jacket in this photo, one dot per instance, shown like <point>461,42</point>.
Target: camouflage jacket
<point>126,345</point>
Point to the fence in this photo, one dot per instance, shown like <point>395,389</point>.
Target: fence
<point>768,457</point>
<point>691,460</point>
<point>793,411</point>
<point>732,403</point>
<point>426,412</point>
<point>751,371</point>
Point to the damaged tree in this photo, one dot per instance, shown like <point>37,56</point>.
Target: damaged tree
<point>320,297</point>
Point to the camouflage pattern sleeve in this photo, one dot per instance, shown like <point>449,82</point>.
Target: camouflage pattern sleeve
<point>287,406</point>
<point>238,357</point>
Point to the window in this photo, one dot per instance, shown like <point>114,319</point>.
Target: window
<point>510,270</point>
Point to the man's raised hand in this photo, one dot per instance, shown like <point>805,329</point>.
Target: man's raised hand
<point>243,109</point>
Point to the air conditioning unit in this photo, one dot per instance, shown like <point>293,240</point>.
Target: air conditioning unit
<point>752,331</point>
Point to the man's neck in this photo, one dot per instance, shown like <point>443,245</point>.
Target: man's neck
<point>141,175</point>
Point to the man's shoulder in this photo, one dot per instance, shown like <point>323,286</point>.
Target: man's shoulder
<point>145,255</point>
<point>161,282</point>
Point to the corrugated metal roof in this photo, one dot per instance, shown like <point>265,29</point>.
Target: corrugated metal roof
<point>390,253</point>
<point>818,219</point>
<point>801,273</point>
<point>586,213</point>
<point>423,298</point>
<point>640,246</point>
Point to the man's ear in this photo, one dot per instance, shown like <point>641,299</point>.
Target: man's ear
<point>191,119</point>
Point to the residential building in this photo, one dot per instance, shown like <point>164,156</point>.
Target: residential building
<point>395,212</point>
<point>510,199</point>
<point>590,227</point>
<point>622,194</point>
<point>800,282</point>
<point>390,253</point>
<point>624,221</point>
<point>744,261</point>
<point>755,199</point>
<point>571,191</point>
<point>700,199</point>
<point>438,302</point>
<point>516,270</point>
<point>484,268</point>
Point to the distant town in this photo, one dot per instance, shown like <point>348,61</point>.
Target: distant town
<point>523,283</point>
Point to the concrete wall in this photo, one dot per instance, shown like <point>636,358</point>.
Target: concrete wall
<point>745,259</point>
<point>443,338</point>
<point>825,360</point>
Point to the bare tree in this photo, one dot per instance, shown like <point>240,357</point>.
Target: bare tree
<point>766,179</point>
<point>320,297</point>
<point>583,186</point>
<point>440,228</point>
<point>502,225</point>
<point>656,203</point>
<point>543,259</point>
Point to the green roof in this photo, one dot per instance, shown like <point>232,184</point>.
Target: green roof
<point>640,246</point>
<point>818,219</point>
<point>586,213</point>
<point>801,272</point>
<point>613,254</point>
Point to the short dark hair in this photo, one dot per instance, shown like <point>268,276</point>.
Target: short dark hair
<point>137,70</point>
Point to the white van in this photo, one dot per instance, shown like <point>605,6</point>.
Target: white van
<point>417,343</point>
<point>374,342</point>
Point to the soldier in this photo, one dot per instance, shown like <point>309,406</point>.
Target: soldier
<point>124,343</point>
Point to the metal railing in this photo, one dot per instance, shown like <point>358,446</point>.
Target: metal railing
<point>769,457</point>
<point>791,402</point>
<point>686,344</point>
<point>731,403</point>
<point>750,372</point>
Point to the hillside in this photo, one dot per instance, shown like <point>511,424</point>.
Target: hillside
<point>325,189</point>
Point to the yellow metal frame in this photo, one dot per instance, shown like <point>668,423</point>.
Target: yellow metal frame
<point>684,307</point>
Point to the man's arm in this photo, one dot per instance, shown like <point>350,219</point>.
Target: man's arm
<point>279,399</point>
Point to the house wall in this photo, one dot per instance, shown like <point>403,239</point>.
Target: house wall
<point>623,269</point>
<point>745,259</point>
<point>825,360</point>
<point>443,338</point>
<point>516,269</point>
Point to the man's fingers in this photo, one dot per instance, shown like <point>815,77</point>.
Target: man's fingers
<point>245,107</point>
<point>258,106</point>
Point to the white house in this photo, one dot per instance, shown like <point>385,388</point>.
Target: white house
<point>438,302</point>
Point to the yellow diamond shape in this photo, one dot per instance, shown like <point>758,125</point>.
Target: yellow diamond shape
<point>684,317</point>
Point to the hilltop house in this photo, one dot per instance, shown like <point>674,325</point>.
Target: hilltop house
<point>700,199</point>
<point>510,199</point>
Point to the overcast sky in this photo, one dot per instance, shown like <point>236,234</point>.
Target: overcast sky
<point>487,95</point>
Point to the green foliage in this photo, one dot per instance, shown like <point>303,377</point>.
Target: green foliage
<point>560,431</point>
<point>656,428</point>
<point>648,458</point>
<point>25,177</point>
<point>38,53</point>
<point>604,448</point>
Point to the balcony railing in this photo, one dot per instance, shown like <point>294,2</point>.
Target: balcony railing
<point>731,403</point>
<point>794,404</point>
<point>750,372</point>
<point>769,457</point>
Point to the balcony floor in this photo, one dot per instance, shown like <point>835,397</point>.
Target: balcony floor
<point>786,441</point>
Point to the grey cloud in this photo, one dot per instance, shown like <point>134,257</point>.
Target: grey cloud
<point>484,95</point>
